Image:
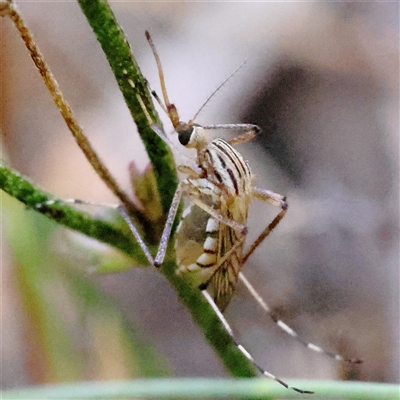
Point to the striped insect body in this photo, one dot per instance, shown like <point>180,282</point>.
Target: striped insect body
<point>225,185</point>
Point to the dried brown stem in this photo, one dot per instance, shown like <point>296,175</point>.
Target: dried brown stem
<point>9,8</point>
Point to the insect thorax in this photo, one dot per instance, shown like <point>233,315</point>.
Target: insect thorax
<point>226,169</point>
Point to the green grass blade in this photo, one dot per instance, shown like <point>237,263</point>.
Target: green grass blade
<point>207,389</point>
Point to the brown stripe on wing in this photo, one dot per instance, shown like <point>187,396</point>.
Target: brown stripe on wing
<point>225,278</point>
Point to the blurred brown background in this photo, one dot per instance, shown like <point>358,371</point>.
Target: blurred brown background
<point>322,81</point>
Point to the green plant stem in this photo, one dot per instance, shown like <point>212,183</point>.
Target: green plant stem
<point>206,389</point>
<point>23,190</point>
<point>132,84</point>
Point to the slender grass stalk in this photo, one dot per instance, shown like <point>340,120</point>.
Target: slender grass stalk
<point>206,389</point>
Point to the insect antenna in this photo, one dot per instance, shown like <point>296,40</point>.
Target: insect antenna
<point>218,88</point>
<point>169,108</point>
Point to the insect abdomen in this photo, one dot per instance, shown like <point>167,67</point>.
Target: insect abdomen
<point>196,246</point>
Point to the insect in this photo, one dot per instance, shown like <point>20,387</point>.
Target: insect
<point>211,236</point>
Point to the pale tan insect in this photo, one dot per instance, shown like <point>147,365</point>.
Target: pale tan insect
<point>211,236</point>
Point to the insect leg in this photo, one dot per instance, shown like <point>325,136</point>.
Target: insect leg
<point>136,233</point>
<point>280,201</point>
<point>162,249</point>
<point>242,349</point>
<point>221,261</point>
<point>216,214</point>
<point>288,329</point>
<point>237,127</point>
<point>120,208</point>
<point>75,201</point>
<point>276,200</point>
<point>249,131</point>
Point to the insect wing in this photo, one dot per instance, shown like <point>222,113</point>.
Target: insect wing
<point>225,278</point>
<point>190,239</point>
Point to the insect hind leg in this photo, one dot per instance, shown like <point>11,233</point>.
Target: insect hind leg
<point>276,200</point>
<point>286,328</point>
<point>242,348</point>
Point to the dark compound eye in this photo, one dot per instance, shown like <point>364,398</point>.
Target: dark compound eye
<point>184,134</point>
